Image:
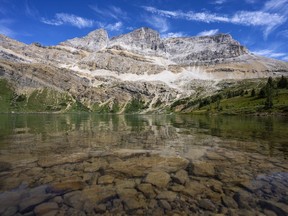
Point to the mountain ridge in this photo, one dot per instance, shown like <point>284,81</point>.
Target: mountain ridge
<point>138,66</point>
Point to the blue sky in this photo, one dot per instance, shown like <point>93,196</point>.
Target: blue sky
<point>260,25</point>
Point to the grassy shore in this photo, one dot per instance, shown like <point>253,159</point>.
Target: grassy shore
<point>242,97</point>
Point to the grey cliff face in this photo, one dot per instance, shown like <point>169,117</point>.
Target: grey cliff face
<point>141,40</point>
<point>203,50</point>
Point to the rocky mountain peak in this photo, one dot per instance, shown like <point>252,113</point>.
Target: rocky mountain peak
<point>140,34</point>
<point>223,38</point>
<point>94,41</point>
<point>140,39</point>
<point>97,33</point>
<point>203,50</point>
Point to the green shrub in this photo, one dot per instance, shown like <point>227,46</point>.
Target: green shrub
<point>134,106</point>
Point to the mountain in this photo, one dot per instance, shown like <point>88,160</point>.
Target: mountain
<point>137,71</point>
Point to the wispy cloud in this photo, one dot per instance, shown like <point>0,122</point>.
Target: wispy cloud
<point>111,12</point>
<point>268,21</point>
<point>30,10</point>
<point>190,15</point>
<point>264,18</point>
<point>283,33</point>
<point>130,28</point>
<point>285,58</point>
<point>68,19</point>
<point>173,34</point>
<point>277,6</point>
<point>270,53</point>
<point>219,2</point>
<point>5,29</point>
<point>251,1</point>
<point>112,27</point>
<point>208,33</point>
<point>158,22</point>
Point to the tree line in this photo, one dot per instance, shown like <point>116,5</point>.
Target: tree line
<point>268,91</point>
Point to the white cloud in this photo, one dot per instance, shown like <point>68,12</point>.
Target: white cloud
<point>173,34</point>
<point>6,31</point>
<point>208,33</point>
<point>120,13</point>
<point>277,6</point>
<point>251,1</point>
<point>69,19</point>
<point>283,33</point>
<point>169,14</point>
<point>259,18</point>
<point>270,53</point>
<point>130,28</point>
<point>31,11</point>
<point>285,58</point>
<point>219,1</point>
<point>160,23</point>
<point>264,19</point>
<point>112,27</point>
<point>190,15</point>
<point>112,12</point>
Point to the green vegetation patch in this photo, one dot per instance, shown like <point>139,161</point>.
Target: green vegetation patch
<point>40,100</point>
<point>6,96</point>
<point>241,97</point>
<point>47,100</point>
<point>134,106</point>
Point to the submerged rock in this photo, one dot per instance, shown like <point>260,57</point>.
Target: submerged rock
<point>29,203</point>
<point>147,190</point>
<point>140,166</point>
<point>106,179</point>
<point>278,208</point>
<point>64,187</point>
<point>95,165</point>
<point>98,194</point>
<point>203,168</point>
<point>158,178</point>
<point>46,208</point>
<point>167,195</point>
<point>207,204</point>
<point>131,199</point>
<point>52,160</point>
<point>165,205</point>
<point>181,177</point>
<point>194,188</point>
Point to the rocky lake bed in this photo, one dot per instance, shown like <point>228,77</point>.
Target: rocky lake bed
<point>219,177</point>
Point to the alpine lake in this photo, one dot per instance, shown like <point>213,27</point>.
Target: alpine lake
<point>89,164</point>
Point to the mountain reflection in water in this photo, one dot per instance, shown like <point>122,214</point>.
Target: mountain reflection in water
<point>48,133</point>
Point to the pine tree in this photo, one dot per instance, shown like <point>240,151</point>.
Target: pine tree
<point>253,93</point>
<point>262,93</point>
<point>283,83</point>
<point>269,93</point>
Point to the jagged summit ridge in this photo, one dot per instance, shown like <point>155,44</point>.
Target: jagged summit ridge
<point>204,50</point>
<point>93,42</point>
<point>143,39</point>
<point>201,50</point>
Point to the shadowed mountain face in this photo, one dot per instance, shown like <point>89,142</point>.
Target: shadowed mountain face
<point>135,71</point>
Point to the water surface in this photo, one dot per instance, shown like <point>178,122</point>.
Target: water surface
<point>39,150</point>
